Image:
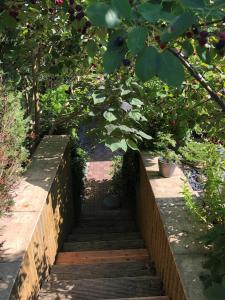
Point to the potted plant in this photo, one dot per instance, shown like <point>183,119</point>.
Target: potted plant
<point>168,158</point>
<point>167,162</point>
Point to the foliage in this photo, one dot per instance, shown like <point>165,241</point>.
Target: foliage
<point>213,160</point>
<point>164,145</point>
<point>13,130</point>
<point>78,167</point>
<point>117,176</point>
<point>169,33</point>
<point>211,209</point>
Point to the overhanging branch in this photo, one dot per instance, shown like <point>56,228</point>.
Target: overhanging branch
<point>220,102</point>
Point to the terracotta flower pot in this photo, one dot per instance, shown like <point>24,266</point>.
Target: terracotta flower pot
<point>166,169</point>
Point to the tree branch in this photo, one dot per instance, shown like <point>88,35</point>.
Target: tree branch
<point>220,102</point>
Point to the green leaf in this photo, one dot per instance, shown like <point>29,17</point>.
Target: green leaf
<point>136,115</point>
<point>150,12</point>
<point>109,116</point>
<point>193,3</point>
<point>112,60</point>
<point>187,48</point>
<point>122,7</point>
<point>92,48</point>
<point>136,39</point>
<point>98,98</point>
<point>146,64</point>
<point>143,135</point>
<point>204,54</point>
<point>115,144</point>
<point>131,144</point>
<point>136,102</point>
<point>179,26</point>
<point>102,15</point>
<point>170,69</point>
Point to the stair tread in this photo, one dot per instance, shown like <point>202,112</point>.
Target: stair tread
<point>106,288</point>
<point>124,269</point>
<point>104,228</point>
<point>145,298</point>
<point>104,245</point>
<point>106,256</point>
<point>63,296</point>
<point>107,212</point>
<point>79,237</point>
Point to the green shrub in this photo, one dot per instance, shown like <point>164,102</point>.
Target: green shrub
<point>210,209</point>
<point>79,159</point>
<point>13,129</point>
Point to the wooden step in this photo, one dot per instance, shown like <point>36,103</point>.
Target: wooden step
<point>144,298</point>
<point>103,288</point>
<point>102,213</point>
<point>127,269</point>
<point>95,222</point>
<point>105,228</point>
<point>88,237</point>
<point>103,245</point>
<point>63,296</point>
<point>107,256</point>
<point>104,217</point>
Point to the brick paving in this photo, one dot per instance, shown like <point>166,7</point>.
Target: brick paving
<point>98,179</point>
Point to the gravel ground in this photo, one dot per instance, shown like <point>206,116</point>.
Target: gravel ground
<point>194,177</point>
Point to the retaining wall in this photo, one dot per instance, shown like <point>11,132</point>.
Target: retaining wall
<point>169,231</point>
<point>40,219</point>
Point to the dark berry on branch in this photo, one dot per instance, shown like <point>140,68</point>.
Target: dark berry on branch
<point>71,2</point>
<point>157,38</point>
<point>162,45</point>
<point>202,41</point>
<point>88,24</point>
<point>14,13</point>
<point>220,45</point>
<point>222,35</point>
<point>126,62</point>
<point>33,1</point>
<point>79,7</point>
<point>189,34</point>
<point>203,34</point>
<point>80,16</point>
<point>119,41</point>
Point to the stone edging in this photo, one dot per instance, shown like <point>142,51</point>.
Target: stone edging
<point>169,231</point>
<point>33,231</point>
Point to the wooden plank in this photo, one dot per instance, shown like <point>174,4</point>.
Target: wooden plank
<point>104,228</point>
<point>127,269</point>
<point>103,245</point>
<point>107,256</point>
<point>106,288</point>
<point>79,237</point>
<point>63,296</point>
<point>145,298</point>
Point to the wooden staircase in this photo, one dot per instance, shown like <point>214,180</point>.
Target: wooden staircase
<point>103,258</point>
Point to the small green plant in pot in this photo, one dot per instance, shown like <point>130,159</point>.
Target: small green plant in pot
<point>167,162</point>
<point>168,158</point>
